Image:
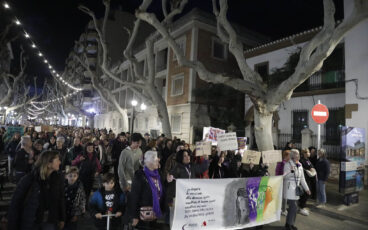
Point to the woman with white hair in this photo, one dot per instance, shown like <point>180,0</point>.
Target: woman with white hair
<point>323,171</point>
<point>23,160</point>
<point>294,186</point>
<point>146,196</point>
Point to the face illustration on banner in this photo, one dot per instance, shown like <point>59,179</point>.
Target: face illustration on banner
<point>242,211</point>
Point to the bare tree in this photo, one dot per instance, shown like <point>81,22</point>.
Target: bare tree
<point>266,99</point>
<point>144,86</point>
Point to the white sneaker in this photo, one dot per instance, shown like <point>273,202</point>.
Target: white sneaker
<point>284,213</point>
<point>321,206</point>
<point>304,212</point>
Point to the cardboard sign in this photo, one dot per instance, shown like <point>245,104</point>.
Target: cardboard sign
<point>38,128</point>
<point>227,141</point>
<point>203,148</point>
<point>242,142</point>
<point>251,156</point>
<point>210,134</point>
<point>271,156</point>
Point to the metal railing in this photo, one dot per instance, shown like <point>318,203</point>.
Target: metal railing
<point>327,80</point>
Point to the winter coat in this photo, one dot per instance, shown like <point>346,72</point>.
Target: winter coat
<point>21,161</point>
<point>323,169</point>
<point>73,153</point>
<point>141,195</point>
<point>75,199</point>
<point>290,178</point>
<point>129,162</point>
<point>11,147</point>
<point>117,148</point>
<point>31,199</point>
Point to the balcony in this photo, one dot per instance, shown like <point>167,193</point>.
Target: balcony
<point>323,82</point>
<point>92,35</point>
<point>161,60</point>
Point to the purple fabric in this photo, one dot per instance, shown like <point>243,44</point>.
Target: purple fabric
<point>156,195</point>
<point>252,192</point>
<point>280,168</point>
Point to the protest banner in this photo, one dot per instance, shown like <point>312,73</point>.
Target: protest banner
<point>203,148</point>
<point>242,142</point>
<point>271,156</point>
<point>227,203</point>
<point>15,129</point>
<point>250,156</point>
<point>227,141</point>
<point>210,134</point>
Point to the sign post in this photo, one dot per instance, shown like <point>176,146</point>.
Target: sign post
<point>320,116</point>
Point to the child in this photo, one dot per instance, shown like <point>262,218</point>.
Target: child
<point>105,201</point>
<point>75,198</point>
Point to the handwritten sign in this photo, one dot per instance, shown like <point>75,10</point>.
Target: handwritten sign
<point>227,141</point>
<point>272,156</point>
<point>242,142</point>
<point>251,156</point>
<point>203,148</point>
<point>38,128</point>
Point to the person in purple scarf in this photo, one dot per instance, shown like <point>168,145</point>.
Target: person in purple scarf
<point>147,192</point>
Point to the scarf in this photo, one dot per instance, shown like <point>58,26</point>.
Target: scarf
<point>156,195</point>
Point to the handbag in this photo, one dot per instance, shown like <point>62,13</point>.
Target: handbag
<point>299,191</point>
<point>147,214</point>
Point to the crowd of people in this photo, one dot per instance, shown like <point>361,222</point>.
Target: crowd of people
<point>129,178</point>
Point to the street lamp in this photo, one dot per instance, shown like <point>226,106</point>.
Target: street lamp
<point>134,104</point>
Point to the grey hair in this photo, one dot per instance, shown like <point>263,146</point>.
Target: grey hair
<point>62,139</point>
<point>294,153</point>
<point>322,152</point>
<point>24,140</point>
<point>149,157</point>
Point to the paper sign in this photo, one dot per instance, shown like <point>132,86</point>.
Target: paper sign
<point>349,166</point>
<point>227,141</point>
<point>271,156</point>
<point>251,156</point>
<point>203,148</point>
<point>242,142</point>
<point>210,134</point>
<point>38,128</point>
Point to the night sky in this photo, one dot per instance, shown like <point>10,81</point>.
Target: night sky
<point>56,24</point>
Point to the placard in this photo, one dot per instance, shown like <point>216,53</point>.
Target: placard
<point>235,203</point>
<point>210,134</point>
<point>38,128</point>
<point>242,142</point>
<point>203,148</point>
<point>251,156</point>
<point>227,141</point>
<point>271,156</point>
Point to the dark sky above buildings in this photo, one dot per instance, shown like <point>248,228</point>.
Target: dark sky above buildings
<point>56,24</point>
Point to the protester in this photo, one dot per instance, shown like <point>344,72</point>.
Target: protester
<point>129,162</point>
<point>89,166</point>
<point>323,171</point>
<point>279,172</point>
<point>38,201</point>
<point>74,151</point>
<point>107,201</point>
<point>310,178</point>
<point>23,158</point>
<point>37,148</point>
<point>75,198</point>
<point>62,151</point>
<point>293,178</point>
<point>147,195</point>
<point>50,144</point>
<point>313,155</point>
<point>118,145</point>
<point>217,169</point>
<point>10,149</point>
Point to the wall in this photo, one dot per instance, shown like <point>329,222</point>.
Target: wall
<point>110,120</point>
<point>356,67</point>
<point>184,111</point>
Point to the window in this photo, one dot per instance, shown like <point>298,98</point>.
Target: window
<point>262,69</point>
<point>333,125</point>
<point>218,49</point>
<point>181,43</point>
<point>177,85</point>
<point>176,123</point>
<point>300,121</point>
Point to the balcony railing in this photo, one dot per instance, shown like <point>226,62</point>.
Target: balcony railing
<point>326,80</point>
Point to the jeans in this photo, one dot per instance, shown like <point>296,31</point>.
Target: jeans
<point>321,191</point>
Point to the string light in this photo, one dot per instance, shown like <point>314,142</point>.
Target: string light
<point>33,45</point>
<point>56,99</point>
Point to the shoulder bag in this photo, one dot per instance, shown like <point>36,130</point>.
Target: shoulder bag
<point>299,191</point>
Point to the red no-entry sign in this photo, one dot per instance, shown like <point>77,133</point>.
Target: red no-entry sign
<point>320,113</point>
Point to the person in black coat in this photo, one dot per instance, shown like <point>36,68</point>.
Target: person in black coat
<point>23,160</point>
<point>183,169</point>
<point>217,168</point>
<point>38,201</point>
<point>323,171</point>
<point>118,145</point>
<point>147,192</point>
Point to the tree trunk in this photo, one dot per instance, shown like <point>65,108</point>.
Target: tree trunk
<point>263,130</point>
<point>162,112</point>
